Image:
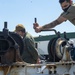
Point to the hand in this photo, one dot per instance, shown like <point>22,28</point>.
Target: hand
<point>38,61</point>
<point>37,27</point>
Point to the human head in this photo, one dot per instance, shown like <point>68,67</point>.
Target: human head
<point>65,4</point>
<point>20,29</point>
<point>61,1</point>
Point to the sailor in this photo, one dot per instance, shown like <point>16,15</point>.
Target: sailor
<point>68,13</point>
<point>30,54</point>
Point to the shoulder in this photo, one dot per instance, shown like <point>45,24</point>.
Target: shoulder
<point>28,36</point>
<point>62,13</point>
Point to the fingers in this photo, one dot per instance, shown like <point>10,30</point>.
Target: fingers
<point>36,30</point>
<point>36,27</point>
<point>35,24</point>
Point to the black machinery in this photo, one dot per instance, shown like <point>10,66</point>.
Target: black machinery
<point>10,43</point>
<point>59,48</point>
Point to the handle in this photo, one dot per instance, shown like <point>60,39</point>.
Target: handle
<point>35,20</point>
<point>50,30</point>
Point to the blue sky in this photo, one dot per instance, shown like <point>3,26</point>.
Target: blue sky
<point>24,11</point>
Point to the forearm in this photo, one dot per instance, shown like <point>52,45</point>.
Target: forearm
<point>51,25</point>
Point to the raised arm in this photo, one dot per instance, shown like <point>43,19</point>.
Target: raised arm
<point>49,25</point>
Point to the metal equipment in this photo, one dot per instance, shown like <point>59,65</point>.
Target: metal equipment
<point>61,56</point>
<point>10,44</point>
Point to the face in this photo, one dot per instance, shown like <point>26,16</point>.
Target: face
<point>20,33</point>
<point>65,5</point>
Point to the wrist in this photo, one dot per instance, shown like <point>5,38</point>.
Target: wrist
<point>42,27</point>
